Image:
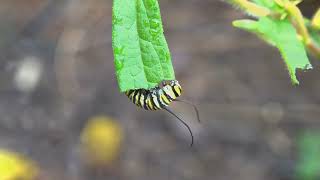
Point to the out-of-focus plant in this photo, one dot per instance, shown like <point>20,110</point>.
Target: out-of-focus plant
<point>14,166</point>
<point>101,141</point>
<point>281,24</point>
<point>308,167</point>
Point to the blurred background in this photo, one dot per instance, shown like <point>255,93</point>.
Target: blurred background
<point>60,105</point>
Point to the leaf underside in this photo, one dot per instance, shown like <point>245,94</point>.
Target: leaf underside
<point>141,54</point>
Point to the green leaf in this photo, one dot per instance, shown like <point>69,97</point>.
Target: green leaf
<point>246,24</point>
<point>281,34</point>
<point>286,40</point>
<point>252,26</point>
<point>315,34</point>
<point>141,54</point>
<point>308,166</point>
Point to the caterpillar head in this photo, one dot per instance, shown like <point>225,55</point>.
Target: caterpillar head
<point>172,86</point>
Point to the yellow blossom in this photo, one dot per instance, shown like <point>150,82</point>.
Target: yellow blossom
<point>101,140</point>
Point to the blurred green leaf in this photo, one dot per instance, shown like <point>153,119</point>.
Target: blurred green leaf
<point>253,27</point>
<point>286,39</point>
<point>246,24</point>
<point>315,35</point>
<point>308,167</point>
<point>141,54</point>
<point>283,35</point>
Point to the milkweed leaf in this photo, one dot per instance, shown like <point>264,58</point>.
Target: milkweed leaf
<point>246,24</point>
<point>286,40</point>
<point>281,34</point>
<point>141,54</point>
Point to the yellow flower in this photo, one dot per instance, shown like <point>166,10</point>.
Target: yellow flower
<point>14,166</point>
<point>101,140</point>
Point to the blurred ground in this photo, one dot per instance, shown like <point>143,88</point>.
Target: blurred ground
<point>56,71</point>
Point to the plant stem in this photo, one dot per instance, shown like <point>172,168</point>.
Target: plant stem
<point>250,8</point>
<point>315,22</point>
<point>299,23</point>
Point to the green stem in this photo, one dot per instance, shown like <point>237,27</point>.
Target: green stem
<point>250,7</point>
<point>315,22</point>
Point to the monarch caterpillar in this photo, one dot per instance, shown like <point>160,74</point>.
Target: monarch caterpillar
<point>160,97</point>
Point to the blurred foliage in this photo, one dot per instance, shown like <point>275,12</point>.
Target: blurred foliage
<point>141,54</point>
<point>101,141</point>
<point>308,167</point>
<point>316,20</point>
<point>282,35</point>
<point>287,30</point>
<point>14,166</point>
